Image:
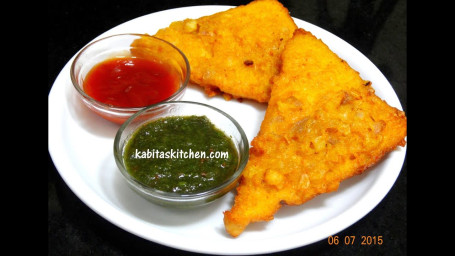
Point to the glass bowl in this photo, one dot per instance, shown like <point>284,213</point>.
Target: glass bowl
<point>218,118</point>
<point>124,46</point>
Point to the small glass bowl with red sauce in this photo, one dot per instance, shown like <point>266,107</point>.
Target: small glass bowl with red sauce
<point>118,75</point>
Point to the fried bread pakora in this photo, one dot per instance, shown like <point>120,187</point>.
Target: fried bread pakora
<point>236,51</point>
<point>323,124</point>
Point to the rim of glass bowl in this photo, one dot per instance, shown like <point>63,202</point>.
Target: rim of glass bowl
<point>92,100</point>
<point>175,197</point>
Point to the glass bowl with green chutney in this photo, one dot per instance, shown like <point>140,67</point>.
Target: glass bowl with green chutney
<point>181,154</point>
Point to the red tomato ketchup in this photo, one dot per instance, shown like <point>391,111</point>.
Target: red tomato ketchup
<point>130,82</point>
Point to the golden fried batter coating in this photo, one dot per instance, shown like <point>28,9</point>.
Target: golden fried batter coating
<point>236,51</point>
<point>323,124</point>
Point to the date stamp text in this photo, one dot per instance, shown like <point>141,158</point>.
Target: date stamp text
<point>351,240</point>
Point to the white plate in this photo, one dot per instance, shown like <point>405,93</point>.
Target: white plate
<point>81,146</point>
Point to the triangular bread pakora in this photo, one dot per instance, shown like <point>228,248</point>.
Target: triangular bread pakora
<point>236,51</point>
<point>323,124</point>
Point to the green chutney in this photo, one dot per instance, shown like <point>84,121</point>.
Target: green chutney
<point>181,154</point>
